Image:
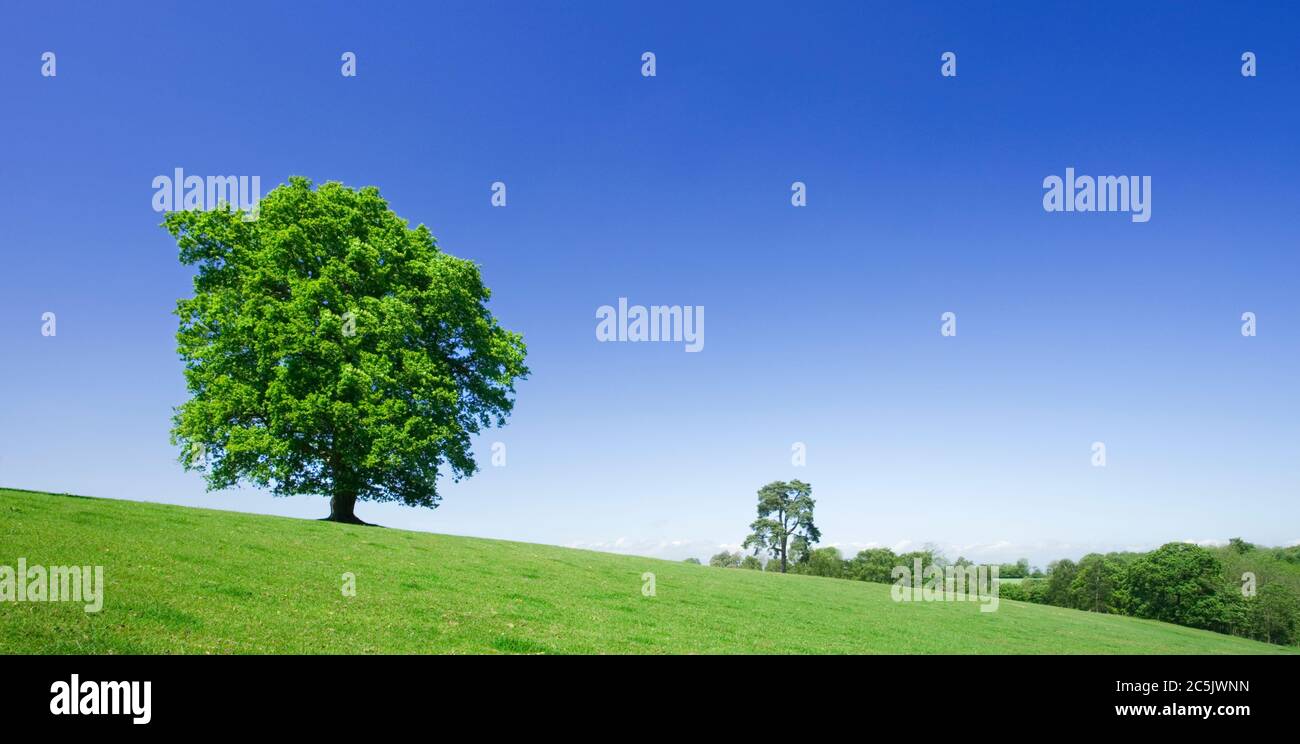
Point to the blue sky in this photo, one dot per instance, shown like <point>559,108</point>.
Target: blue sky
<point>822,322</point>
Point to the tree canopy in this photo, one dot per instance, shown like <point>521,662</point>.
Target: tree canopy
<point>1178,583</point>
<point>331,349</point>
<point>785,522</point>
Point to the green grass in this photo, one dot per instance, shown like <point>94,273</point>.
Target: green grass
<point>195,581</point>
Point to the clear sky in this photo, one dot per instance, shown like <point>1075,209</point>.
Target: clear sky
<point>822,322</point>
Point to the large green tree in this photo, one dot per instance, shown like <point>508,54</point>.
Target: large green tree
<point>332,349</point>
<point>785,521</point>
<point>1178,583</point>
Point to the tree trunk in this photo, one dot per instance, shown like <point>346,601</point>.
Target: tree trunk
<point>342,505</point>
<point>785,536</point>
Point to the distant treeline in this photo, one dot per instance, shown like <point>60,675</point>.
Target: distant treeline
<point>1239,589</point>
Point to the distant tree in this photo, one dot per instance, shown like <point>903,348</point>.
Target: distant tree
<point>696,561</point>
<point>872,564</point>
<point>1017,570</point>
<point>1273,615</point>
<point>926,557</point>
<point>332,349</point>
<point>1239,545</point>
<point>1060,577</point>
<point>1095,582</point>
<point>828,562</point>
<point>1290,555</point>
<point>785,521</point>
<point>936,554</point>
<point>726,559</point>
<point>751,563</point>
<point>1179,583</point>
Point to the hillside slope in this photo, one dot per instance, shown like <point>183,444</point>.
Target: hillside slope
<point>184,580</point>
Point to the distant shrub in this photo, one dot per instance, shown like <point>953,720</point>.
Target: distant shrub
<point>726,560</point>
<point>1017,570</point>
<point>1016,591</point>
<point>1027,590</point>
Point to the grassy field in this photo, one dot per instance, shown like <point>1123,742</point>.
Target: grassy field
<point>195,581</point>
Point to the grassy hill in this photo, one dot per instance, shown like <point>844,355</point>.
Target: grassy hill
<point>183,580</point>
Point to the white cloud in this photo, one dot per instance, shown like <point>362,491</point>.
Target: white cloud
<point>1212,542</point>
